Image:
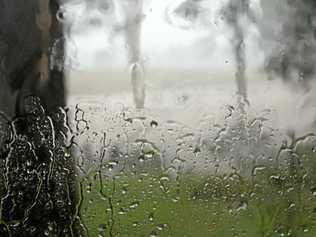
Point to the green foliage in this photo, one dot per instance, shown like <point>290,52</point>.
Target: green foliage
<point>221,206</point>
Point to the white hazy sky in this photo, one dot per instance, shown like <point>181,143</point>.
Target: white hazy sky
<point>206,45</point>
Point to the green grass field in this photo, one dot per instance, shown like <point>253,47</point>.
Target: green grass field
<point>272,202</point>
<point>193,206</point>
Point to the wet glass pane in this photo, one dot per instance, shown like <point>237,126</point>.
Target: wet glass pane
<point>157,118</point>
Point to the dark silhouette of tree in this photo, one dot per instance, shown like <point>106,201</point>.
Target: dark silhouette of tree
<point>232,13</point>
<point>29,33</point>
<point>39,194</point>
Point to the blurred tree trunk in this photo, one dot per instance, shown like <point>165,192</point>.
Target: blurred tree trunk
<point>291,45</point>
<point>31,54</point>
<point>39,174</point>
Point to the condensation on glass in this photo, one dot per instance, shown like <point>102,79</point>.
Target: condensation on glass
<point>158,118</point>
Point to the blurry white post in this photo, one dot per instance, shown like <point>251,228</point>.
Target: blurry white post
<point>132,11</point>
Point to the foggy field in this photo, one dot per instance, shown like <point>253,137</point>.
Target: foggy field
<point>187,89</point>
<point>109,82</point>
<point>194,96</point>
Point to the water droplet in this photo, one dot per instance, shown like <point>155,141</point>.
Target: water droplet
<point>153,124</point>
<point>67,153</point>
<point>164,179</point>
<point>151,217</point>
<point>242,207</point>
<point>197,151</point>
<point>89,188</point>
<point>124,190</point>
<point>121,211</point>
<point>101,230</point>
<point>141,158</point>
<point>60,15</point>
<point>149,154</point>
<point>258,170</point>
<point>134,205</point>
<point>29,163</point>
<point>153,234</point>
<point>292,205</point>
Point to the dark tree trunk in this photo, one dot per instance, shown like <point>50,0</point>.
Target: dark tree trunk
<point>29,37</point>
<point>39,191</point>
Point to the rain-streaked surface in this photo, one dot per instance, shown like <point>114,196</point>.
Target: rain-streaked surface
<point>183,118</point>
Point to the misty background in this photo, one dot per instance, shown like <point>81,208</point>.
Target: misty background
<point>96,42</point>
<point>188,57</point>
